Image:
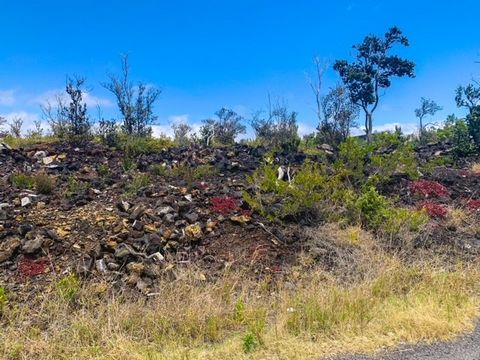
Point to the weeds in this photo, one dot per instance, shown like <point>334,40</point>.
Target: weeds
<point>139,181</point>
<point>3,300</point>
<point>42,183</point>
<point>75,187</point>
<point>399,304</point>
<point>68,287</point>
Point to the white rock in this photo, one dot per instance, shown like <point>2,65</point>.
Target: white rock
<point>25,201</point>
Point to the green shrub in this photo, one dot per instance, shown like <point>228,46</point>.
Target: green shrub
<point>68,287</point>
<point>275,198</point>
<point>3,300</point>
<point>128,164</point>
<point>75,187</point>
<point>139,181</point>
<point>399,219</point>
<point>369,164</point>
<point>22,181</point>
<point>104,170</point>
<point>134,146</point>
<point>185,172</point>
<point>249,343</point>
<point>373,208</point>
<point>44,184</point>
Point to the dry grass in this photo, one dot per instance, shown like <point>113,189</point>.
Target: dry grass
<point>475,168</point>
<point>307,315</point>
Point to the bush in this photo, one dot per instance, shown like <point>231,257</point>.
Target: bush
<point>75,187</point>
<point>22,181</point>
<point>138,182</point>
<point>280,199</point>
<point>373,208</point>
<point>372,163</point>
<point>279,130</point>
<point>108,132</point>
<point>134,146</point>
<point>44,184</point>
<point>68,287</point>
<point>224,129</point>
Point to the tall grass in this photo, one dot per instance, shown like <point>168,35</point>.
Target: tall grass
<point>307,315</point>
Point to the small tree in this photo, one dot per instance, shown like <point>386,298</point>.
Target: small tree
<point>338,118</point>
<point>469,97</point>
<point>181,133</point>
<point>76,112</point>
<point>134,102</point>
<point>16,127</point>
<point>224,129</point>
<point>54,115</point>
<point>68,117</point>
<point>427,108</point>
<point>37,130</point>
<point>372,71</point>
<point>279,129</point>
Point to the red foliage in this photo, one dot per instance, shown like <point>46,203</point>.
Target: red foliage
<point>433,209</point>
<point>224,205</point>
<point>30,267</point>
<point>474,204</point>
<point>428,188</point>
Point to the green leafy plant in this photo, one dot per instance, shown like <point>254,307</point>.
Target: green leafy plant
<point>75,187</point>
<point>3,300</point>
<point>128,164</point>
<point>22,181</point>
<point>139,181</point>
<point>68,287</point>
<point>249,342</point>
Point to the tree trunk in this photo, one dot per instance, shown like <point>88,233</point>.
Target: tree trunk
<point>368,126</point>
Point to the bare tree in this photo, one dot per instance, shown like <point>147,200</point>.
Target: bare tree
<point>427,108</point>
<point>279,129</point>
<point>37,129</point>
<point>134,102</point>
<point>316,85</point>
<point>53,114</point>
<point>181,133</point>
<point>16,127</point>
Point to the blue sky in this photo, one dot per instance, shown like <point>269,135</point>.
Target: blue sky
<point>209,54</point>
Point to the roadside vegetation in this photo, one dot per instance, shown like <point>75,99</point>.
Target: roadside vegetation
<point>384,240</point>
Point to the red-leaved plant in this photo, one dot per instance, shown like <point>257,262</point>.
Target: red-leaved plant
<point>224,205</point>
<point>429,188</point>
<point>30,267</point>
<point>473,204</point>
<point>433,209</point>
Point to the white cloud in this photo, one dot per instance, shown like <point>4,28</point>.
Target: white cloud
<point>161,130</point>
<point>304,129</point>
<point>407,128</point>
<point>51,96</point>
<point>28,120</point>
<point>7,97</point>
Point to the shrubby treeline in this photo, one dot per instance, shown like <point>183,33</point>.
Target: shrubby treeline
<point>362,80</point>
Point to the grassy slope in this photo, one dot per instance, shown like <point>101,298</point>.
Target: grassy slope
<point>306,315</point>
